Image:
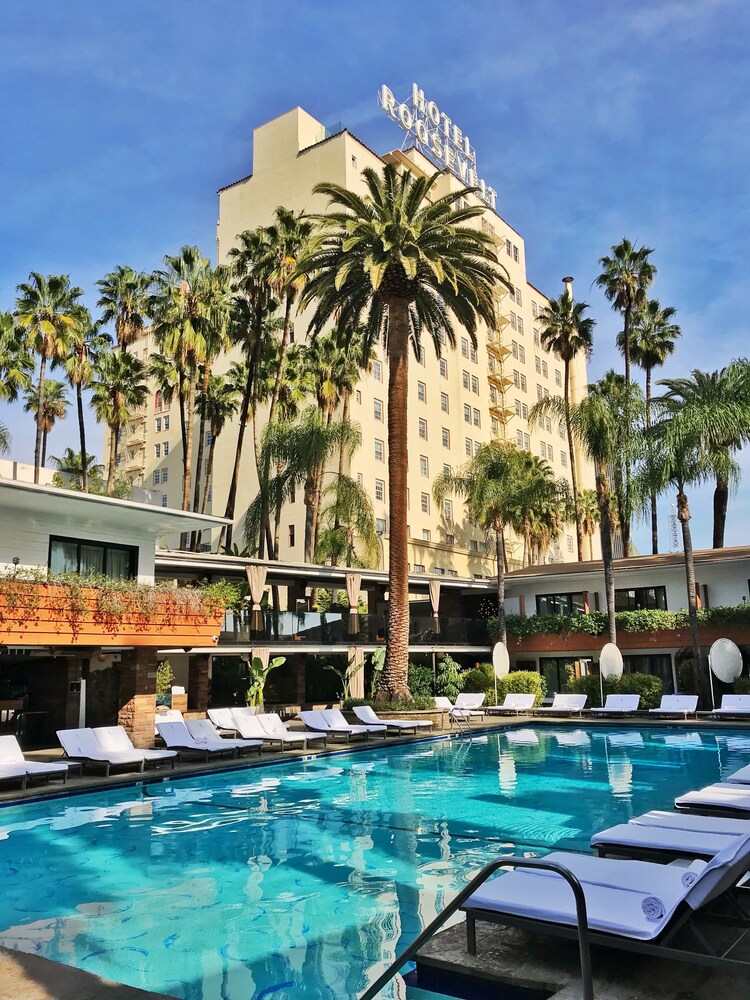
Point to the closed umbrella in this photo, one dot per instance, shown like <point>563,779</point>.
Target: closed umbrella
<point>353,583</point>
<point>256,578</point>
<point>435,602</point>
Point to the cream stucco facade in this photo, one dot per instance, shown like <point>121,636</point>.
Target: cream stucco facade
<point>467,397</point>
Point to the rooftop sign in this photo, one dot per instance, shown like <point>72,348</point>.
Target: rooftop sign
<point>438,137</point>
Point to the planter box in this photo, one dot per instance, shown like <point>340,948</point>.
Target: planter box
<point>583,642</point>
<point>44,614</point>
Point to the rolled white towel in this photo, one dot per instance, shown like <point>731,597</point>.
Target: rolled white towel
<point>653,908</point>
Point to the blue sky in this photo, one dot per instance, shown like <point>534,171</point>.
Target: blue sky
<point>592,121</point>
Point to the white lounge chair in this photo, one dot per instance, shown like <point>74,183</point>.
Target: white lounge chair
<point>565,704</point>
<point>723,798</point>
<point>670,835</point>
<point>676,706</point>
<point>444,704</point>
<point>204,731</point>
<point>515,703</point>
<point>367,715</point>
<point>167,715</point>
<point>276,731</point>
<point>631,905</point>
<point>82,744</point>
<point>115,738</point>
<point>471,703</point>
<point>619,704</point>
<point>12,761</point>
<point>733,706</point>
<point>177,737</point>
<point>317,723</point>
<point>251,726</point>
<point>222,719</point>
<point>334,717</point>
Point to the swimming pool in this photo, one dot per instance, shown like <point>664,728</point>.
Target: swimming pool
<point>303,880</point>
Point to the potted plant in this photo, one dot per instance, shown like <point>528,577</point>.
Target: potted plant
<point>257,675</point>
<point>164,682</point>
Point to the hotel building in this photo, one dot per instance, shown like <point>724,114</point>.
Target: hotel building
<point>467,397</point>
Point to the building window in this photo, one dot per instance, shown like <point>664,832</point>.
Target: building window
<point>158,400</point>
<point>380,489</point>
<point>558,376</point>
<point>559,604</point>
<point>474,545</point>
<point>425,503</point>
<point>539,392</point>
<point>438,571</point>
<point>444,402</point>
<point>561,431</point>
<point>520,325</point>
<point>518,296</point>
<point>377,371</point>
<point>422,429</point>
<point>421,392</point>
<point>447,469</point>
<point>475,384</point>
<point>292,494</point>
<point>354,161</point>
<point>444,368</point>
<point>426,534</point>
<point>476,418</point>
<point>521,348</point>
<point>467,413</point>
<point>419,567</point>
<point>534,309</point>
<point>164,500</point>
<point>641,599</point>
<point>523,383</point>
<point>473,354</point>
<point>464,347</point>
<point>424,466</point>
<point>564,459</point>
<point>569,540</point>
<point>545,369</point>
<point>157,451</point>
<point>517,406</point>
<point>379,450</point>
<point>450,539</point>
<point>446,438</point>
<point>158,425</point>
<point>420,356</point>
<point>209,437</point>
<point>543,449</point>
<point>465,379</point>
<point>467,447</point>
<point>495,425</point>
<point>519,439</point>
<point>291,536</point>
<point>524,411</point>
<point>538,364</point>
<point>515,253</point>
<point>526,442</point>
<point>513,320</point>
<point>548,425</point>
<point>166,423</point>
<point>360,480</point>
<point>164,475</point>
<point>549,453</point>
<point>448,510</point>
<point>165,448</point>
<point>377,410</point>
<point>508,247</point>
<point>537,338</point>
<point>73,555</point>
<point>380,525</point>
<point>516,378</point>
<point>157,477</point>
<point>358,396</point>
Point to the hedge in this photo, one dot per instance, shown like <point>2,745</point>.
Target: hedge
<point>522,682</point>
<point>650,688</point>
<point>418,703</point>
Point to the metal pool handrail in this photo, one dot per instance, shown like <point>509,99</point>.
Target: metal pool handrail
<point>478,880</point>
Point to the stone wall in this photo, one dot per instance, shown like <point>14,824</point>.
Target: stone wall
<point>138,695</point>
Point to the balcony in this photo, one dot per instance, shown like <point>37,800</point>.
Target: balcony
<point>332,629</point>
<point>496,348</point>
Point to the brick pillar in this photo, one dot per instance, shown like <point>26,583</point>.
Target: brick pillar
<point>197,692</point>
<point>138,695</point>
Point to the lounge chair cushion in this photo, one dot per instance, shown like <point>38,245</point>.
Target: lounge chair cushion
<point>676,704</point>
<point>83,744</point>
<point>661,838</point>
<point>619,704</point>
<point>723,795</point>
<point>514,702</point>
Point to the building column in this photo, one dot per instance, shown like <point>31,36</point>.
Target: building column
<point>73,688</point>
<point>197,692</point>
<point>138,695</point>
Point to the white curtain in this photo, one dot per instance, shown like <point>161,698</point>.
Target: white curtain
<point>353,584</point>
<point>356,672</point>
<point>435,602</point>
<point>256,577</point>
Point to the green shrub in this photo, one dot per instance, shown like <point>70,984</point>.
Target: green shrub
<point>164,678</point>
<point>448,681</point>
<point>417,704</point>
<point>686,675</point>
<point>650,688</point>
<point>522,682</point>
<point>480,680</point>
<point>420,680</point>
<point>589,685</point>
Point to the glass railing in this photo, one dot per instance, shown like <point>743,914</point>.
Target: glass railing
<point>333,627</point>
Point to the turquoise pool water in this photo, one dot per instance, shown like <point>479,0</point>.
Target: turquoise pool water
<point>302,880</point>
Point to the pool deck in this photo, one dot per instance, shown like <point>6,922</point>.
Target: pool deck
<point>512,957</point>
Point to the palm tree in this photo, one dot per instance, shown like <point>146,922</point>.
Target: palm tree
<point>5,439</point>
<point>79,468</point>
<point>653,340</point>
<point>541,506</point>
<point>565,331</point>
<point>16,360</point>
<point>180,309</point>
<point>414,264</point>
<point>45,309</point>
<point>118,387</point>
<point>348,535</point>
<point>684,434</point>
<point>54,408</point>
<point>124,299</point>
<point>626,278</point>
<point>588,508</point>
<point>82,343</point>
<point>221,402</point>
<point>489,484</point>
<point>251,310</point>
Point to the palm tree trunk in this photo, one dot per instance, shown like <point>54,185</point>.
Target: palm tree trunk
<point>189,430</point>
<point>39,416</point>
<point>624,501</point>
<point>591,547</point>
<point>394,679</point>
<point>626,341</point>
<point>573,464</point>
<point>113,444</point>
<point>45,432</point>
<point>309,514</point>
<point>621,510</point>
<point>721,501</point>
<point>683,515</point>
<point>226,533</point>
<point>209,471</point>
<point>82,435</point>
<point>500,557</point>
<point>206,374</point>
<point>344,418</point>
<point>605,530</point>
<point>654,518</point>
